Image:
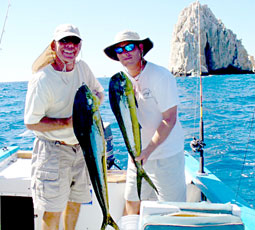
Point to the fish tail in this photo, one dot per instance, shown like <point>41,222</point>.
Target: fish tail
<point>112,222</point>
<point>109,221</point>
<point>142,174</point>
<point>139,183</point>
<point>104,225</point>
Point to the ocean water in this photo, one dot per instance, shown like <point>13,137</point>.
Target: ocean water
<point>228,115</point>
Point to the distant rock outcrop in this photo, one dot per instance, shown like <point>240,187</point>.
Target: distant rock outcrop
<point>221,52</point>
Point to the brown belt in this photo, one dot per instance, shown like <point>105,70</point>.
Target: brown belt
<point>56,142</point>
<point>63,143</point>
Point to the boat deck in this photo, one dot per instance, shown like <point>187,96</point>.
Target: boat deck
<point>15,193</point>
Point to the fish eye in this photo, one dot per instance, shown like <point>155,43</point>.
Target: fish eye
<point>90,101</point>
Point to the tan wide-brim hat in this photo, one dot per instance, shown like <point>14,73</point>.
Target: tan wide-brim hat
<point>129,36</point>
<point>48,56</point>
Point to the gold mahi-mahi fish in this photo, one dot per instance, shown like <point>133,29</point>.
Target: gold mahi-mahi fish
<point>123,105</point>
<point>88,129</point>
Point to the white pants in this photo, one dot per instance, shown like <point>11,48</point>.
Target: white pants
<point>168,175</point>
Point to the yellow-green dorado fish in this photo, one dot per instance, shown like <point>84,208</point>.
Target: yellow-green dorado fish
<point>88,129</point>
<point>123,104</point>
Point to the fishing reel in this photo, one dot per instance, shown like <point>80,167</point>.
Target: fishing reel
<point>197,145</point>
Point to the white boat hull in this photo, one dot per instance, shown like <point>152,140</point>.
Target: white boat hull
<point>15,182</point>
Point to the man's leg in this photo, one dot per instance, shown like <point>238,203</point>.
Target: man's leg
<point>132,207</point>
<point>51,220</point>
<point>70,215</point>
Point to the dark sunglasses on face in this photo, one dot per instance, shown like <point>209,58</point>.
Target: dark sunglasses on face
<point>128,48</point>
<point>73,39</point>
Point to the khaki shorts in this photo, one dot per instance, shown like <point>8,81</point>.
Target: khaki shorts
<point>168,175</point>
<point>59,175</point>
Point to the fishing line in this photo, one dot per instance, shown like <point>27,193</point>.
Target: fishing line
<point>198,67</point>
<point>6,16</point>
<point>245,155</point>
<point>196,105</point>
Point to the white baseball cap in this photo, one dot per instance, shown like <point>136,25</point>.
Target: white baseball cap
<point>66,30</point>
<point>48,56</point>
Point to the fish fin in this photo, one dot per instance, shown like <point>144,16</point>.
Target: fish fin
<point>136,103</point>
<point>111,222</point>
<point>102,124</point>
<point>140,128</point>
<point>142,174</point>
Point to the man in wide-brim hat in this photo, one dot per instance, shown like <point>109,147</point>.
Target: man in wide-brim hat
<point>161,132</point>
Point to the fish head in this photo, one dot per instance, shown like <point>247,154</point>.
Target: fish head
<point>120,84</point>
<point>91,101</point>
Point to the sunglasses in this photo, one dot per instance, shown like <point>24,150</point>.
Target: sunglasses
<point>73,39</point>
<point>128,48</point>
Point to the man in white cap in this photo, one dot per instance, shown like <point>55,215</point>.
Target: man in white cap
<point>161,132</point>
<point>60,181</point>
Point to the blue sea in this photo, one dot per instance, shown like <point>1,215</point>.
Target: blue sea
<point>228,115</point>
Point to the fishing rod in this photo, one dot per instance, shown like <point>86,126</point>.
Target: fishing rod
<point>6,16</point>
<point>197,145</point>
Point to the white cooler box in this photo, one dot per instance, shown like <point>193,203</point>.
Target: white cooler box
<point>186,216</point>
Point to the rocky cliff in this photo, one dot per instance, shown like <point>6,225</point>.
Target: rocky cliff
<point>220,51</point>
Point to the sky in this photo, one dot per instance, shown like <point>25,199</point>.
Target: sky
<point>31,23</point>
